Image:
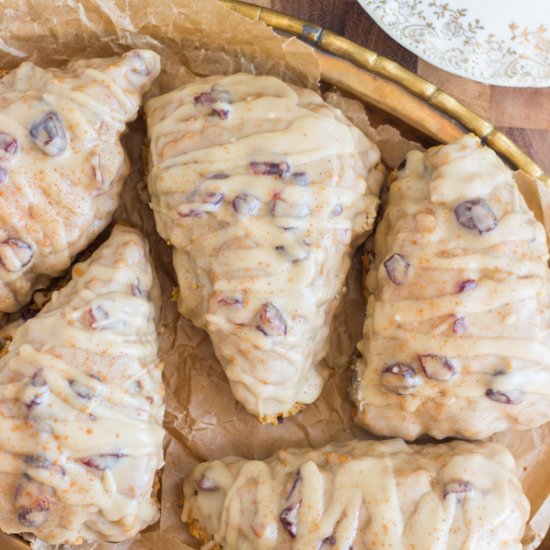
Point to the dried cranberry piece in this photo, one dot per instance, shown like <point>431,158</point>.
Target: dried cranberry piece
<point>329,541</point>
<point>476,215</point>
<point>300,178</point>
<point>400,378</point>
<point>271,321</point>
<point>209,197</point>
<point>295,482</point>
<point>102,462</point>
<point>510,397</point>
<point>457,487</point>
<point>437,367</point>
<point>230,301</point>
<point>28,313</point>
<point>193,213</point>
<point>38,379</point>
<point>81,390</point>
<point>280,169</point>
<point>216,95</point>
<point>206,484</point>
<point>397,268</point>
<point>15,254</point>
<point>246,204</point>
<point>288,518</point>
<point>468,284</point>
<point>8,146</point>
<point>138,292</point>
<point>459,325</point>
<point>32,500</point>
<point>218,176</point>
<point>97,316</point>
<point>49,134</point>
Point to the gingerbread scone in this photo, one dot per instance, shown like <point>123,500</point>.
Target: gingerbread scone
<point>61,162</point>
<point>81,404</point>
<point>457,335</point>
<point>264,190</point>
<point>365,495</point>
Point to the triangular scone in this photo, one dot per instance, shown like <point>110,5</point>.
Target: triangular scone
<point>365,495</point>
<point>263,189</point>
<point>61,162</point>
<point>457,335</point>
<point>81,404</point>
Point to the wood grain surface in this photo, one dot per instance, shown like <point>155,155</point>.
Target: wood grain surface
<point>522,113</point>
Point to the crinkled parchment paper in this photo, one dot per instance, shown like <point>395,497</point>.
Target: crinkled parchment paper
<point>203,419</point>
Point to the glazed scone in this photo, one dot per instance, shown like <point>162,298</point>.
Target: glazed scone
<point>457,335</point>
<point>369,495</point>
<point>61,162</point>
<point>264,190</point>
<point>81,404</point>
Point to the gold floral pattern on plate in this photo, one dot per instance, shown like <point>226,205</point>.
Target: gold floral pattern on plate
<point>471,39</point>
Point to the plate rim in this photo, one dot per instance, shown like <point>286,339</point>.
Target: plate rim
<point>363,59</point>
<point>410,45</point>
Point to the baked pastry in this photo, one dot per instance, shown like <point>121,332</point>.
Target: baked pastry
<point>367,495</point>
<point>61,162</point>
<point>264,190</point>
<point>457,335</point>
<point>81,404</point>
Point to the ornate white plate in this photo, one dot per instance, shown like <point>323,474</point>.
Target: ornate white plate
<point>502,42</point>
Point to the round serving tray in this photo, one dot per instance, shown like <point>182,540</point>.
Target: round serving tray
<point>380,81</point>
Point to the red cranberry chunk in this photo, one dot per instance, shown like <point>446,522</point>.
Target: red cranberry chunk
<point>459,325</point>
<point>49,134</point>
<point>271,321</point>
<point>280,169</point>
<point>476,215</point>
<point>97,316</point>
<point>230,301</point>
<point>38,379</point>
<point>468,284</point>
<point>32,500</point>
<point>193,213</point>
<point>36,461</point>
<point>206,484</point>
<point>102,462</point>
<point>246,205</point>
<point>437,367</point>
<point>288,518</point>
<point>400,378</point>
<point>138,292</point>
<point>329,541</point>
<point>295,483</point>
<point>300,178</point>
<point>28,313</point>
<point>40,394</point>
<point>397,268</point>
<point>510,397</point>
<point>81,390</point>
<point>8,146</point>
<point>15,254</point>
<point>457,487</point>
<point>218,176</point>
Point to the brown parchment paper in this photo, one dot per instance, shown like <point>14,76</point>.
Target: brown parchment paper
<point>203,420</point>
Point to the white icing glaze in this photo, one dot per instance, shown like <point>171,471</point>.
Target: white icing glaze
<point>366,494</point>
<point>81,404</point>
<point>494,333</point>
<point>248,241</point>
<point>58,193</point>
